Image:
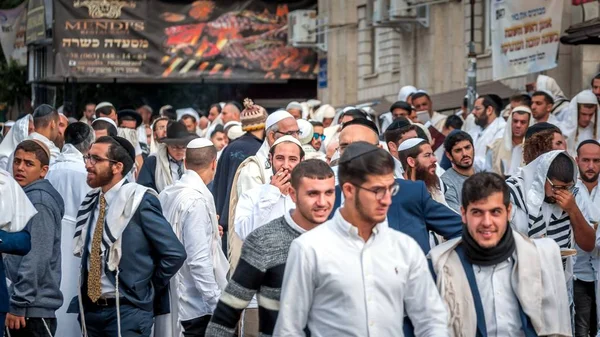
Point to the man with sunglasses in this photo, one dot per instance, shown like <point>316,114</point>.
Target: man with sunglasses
<point>318,135</point>
<point>356,260</point>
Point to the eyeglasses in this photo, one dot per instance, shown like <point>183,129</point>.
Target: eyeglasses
<point>380,192</point>
<point>295,133</point>
<point>93,159</point>
<point>177,147</point>
<point>555,188</point>
<point>317,136</point>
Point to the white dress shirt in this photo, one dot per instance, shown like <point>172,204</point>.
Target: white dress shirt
<point>500,304</point>
<point>340,285</point>
<point>586,265</point>
<point>107,288</point>
<point>258,206</point>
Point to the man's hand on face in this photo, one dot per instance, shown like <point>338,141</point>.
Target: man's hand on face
<point>565,200</point>
<point>281,180</point>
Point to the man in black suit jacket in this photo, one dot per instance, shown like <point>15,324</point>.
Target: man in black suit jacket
<point>126,263</point>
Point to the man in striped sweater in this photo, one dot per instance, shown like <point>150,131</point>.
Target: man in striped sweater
<point>265,251</point>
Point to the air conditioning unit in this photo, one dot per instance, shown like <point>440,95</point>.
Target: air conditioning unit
<point>381,10</point>
<point>322,34</point>
<point>402,9</point>
<point>302,28</point>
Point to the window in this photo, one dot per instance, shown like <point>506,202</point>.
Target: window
<point>375,50</point>
<point>487,38</point>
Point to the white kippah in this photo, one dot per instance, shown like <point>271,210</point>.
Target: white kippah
<point>277,117</point>
<point>287,138</point>
<point>294,105</point>
<point>410,143</point>
<point>187,112</point>
<point>199,143</point>
<point>103,104</point>
<point>522,108</point>
<point>106,119</point>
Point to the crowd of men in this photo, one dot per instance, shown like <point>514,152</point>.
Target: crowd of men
<point>306,221</point>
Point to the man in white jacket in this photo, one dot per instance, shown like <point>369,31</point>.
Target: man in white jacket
<point>190,208</point>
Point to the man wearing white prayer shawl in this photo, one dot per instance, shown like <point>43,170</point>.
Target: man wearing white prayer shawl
<point>159,132</point>
<point>353,276</point>
<point>17,133</point>
<point>581,121</point>
<point>387,118</point>
<point>489,128</point>
<point>561,103</point>
<point>164,167</point>
<point>494,280</point>
<point>505,155</point>
<point>189,207</point>
<point>546,203</point>
<point>68,176</point>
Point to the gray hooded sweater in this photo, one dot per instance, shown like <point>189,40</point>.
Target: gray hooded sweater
<point>35,277</point>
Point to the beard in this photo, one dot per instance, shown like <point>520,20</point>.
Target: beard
<point>431,180</point>
<point>100,179</point>
<point>359,205</point>
<point>482,120</point>
<point>459,164</point>
<point>585,178</point>
<point>549,200</point>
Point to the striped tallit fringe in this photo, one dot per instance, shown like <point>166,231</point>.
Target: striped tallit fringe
<point>86,210</point>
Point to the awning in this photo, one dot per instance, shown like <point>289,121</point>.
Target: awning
<point>379,105</point>
<point>453,99</point>
<point>587,32</point>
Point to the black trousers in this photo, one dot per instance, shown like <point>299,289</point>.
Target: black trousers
<point>195,327</point>
<point>584,294</point>
<point>35,327</point>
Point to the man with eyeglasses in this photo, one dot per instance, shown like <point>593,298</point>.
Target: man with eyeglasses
<point>164,167</point>
<point>546,203</point>
<point>352,275</point>
<point>128,249</point>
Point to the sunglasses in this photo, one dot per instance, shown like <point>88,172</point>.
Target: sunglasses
<point>317,136</point>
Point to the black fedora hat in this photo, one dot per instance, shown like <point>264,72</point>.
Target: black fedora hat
<point>131,114</point>
<point>177,134</point>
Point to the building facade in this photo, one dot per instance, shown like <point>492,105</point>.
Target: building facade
<point>366,62</point>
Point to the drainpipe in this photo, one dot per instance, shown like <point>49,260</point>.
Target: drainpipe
<point>472,67</point>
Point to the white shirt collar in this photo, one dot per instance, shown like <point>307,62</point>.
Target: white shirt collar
<point>112,193</point>
<point>288,219</point>
<point>347,228</point>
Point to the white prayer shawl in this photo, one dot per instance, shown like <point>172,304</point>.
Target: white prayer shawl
<point>537,280</point>
<point>406,91</point>
<point>16,208</point>
<point>68,176</point>
<point>54,151</point>
<point>154,144</point>
<point>162,172</point>
<point>560,101</point>
<point>570,127</point>
<point>251,176</point>
<point>484,138</point>
<point>18,133</point>
<point>117,218</point>
<point>212,126</point>
<point>187,193</point>
<point>438,120</point>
